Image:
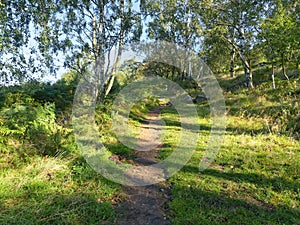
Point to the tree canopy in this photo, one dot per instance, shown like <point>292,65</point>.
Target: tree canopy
<point>36,34</point>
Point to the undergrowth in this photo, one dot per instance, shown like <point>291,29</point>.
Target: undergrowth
<point>253,180</point>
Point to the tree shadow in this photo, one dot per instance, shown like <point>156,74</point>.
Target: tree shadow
<point>196,206</point>
<point>57,208</point>
<point>79,196</point>
<point>243,130</point>
<point>277,183</point>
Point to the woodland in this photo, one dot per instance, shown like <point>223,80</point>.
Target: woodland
<point>252,48</point>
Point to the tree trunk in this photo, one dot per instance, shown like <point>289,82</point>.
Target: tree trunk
<point>242,54</point>
<point>95,80</point>
<point>98,50</point>
<point>283,67</point>
<point>118,60</point>
<point>173,72</point>
<point>182,75</point>
<point>188,41</point>
<point>101,44</point>
<point>232,62</point>
<point>248,73</point>
<point>273,76</point>
<point>248,77</point>
<point>182,71</point>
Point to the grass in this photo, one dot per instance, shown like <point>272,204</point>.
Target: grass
<point>253,180</point>
<point>255,177</point>
<point>50,190</point>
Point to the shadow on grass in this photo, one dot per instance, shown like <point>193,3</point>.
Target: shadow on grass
<point>80,196</point>
<point>46,191</point>
<point>195,203</point>
<point>119,149</point>
<point>56,208</point>
<point>204,127</point>
<point>277,183</point>
<point>243,130</point>
<point>195,206</point>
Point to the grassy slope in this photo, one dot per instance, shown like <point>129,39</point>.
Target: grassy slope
<point>54,190</point>
<point>61,188</point>
<point>255,177</point>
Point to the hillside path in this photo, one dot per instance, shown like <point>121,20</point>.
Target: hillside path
<point>146,204</point>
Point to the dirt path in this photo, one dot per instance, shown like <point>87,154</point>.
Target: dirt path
<point>147,204</point>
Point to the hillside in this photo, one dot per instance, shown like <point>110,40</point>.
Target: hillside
<point>254,179</point>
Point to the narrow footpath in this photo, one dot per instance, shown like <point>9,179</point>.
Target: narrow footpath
<point>147,204</point>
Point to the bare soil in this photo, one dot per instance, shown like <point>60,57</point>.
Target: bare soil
<point>146,204</point>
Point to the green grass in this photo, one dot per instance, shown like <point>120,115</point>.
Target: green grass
<point>255,177</point>
<point>53,190</point>
<point>58,188</point>
<point>253,180</point>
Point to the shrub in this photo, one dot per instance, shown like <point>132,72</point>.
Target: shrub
<point>31,123</point>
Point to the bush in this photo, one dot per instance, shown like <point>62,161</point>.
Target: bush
<point>30,123</point>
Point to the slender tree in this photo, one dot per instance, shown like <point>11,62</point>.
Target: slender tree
<point>237,19</point>
<point>79,31</point>
<point>175,22</point>
<point>280,34</point>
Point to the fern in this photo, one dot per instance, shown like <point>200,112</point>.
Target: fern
<point>5,131</point>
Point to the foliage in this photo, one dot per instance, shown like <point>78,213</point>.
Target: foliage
<point>45,180</point>
<point>34,33</point>
<point>280,32</point>
<point>26,123</point>
<point>35,117</point>
<point>176,22</point>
